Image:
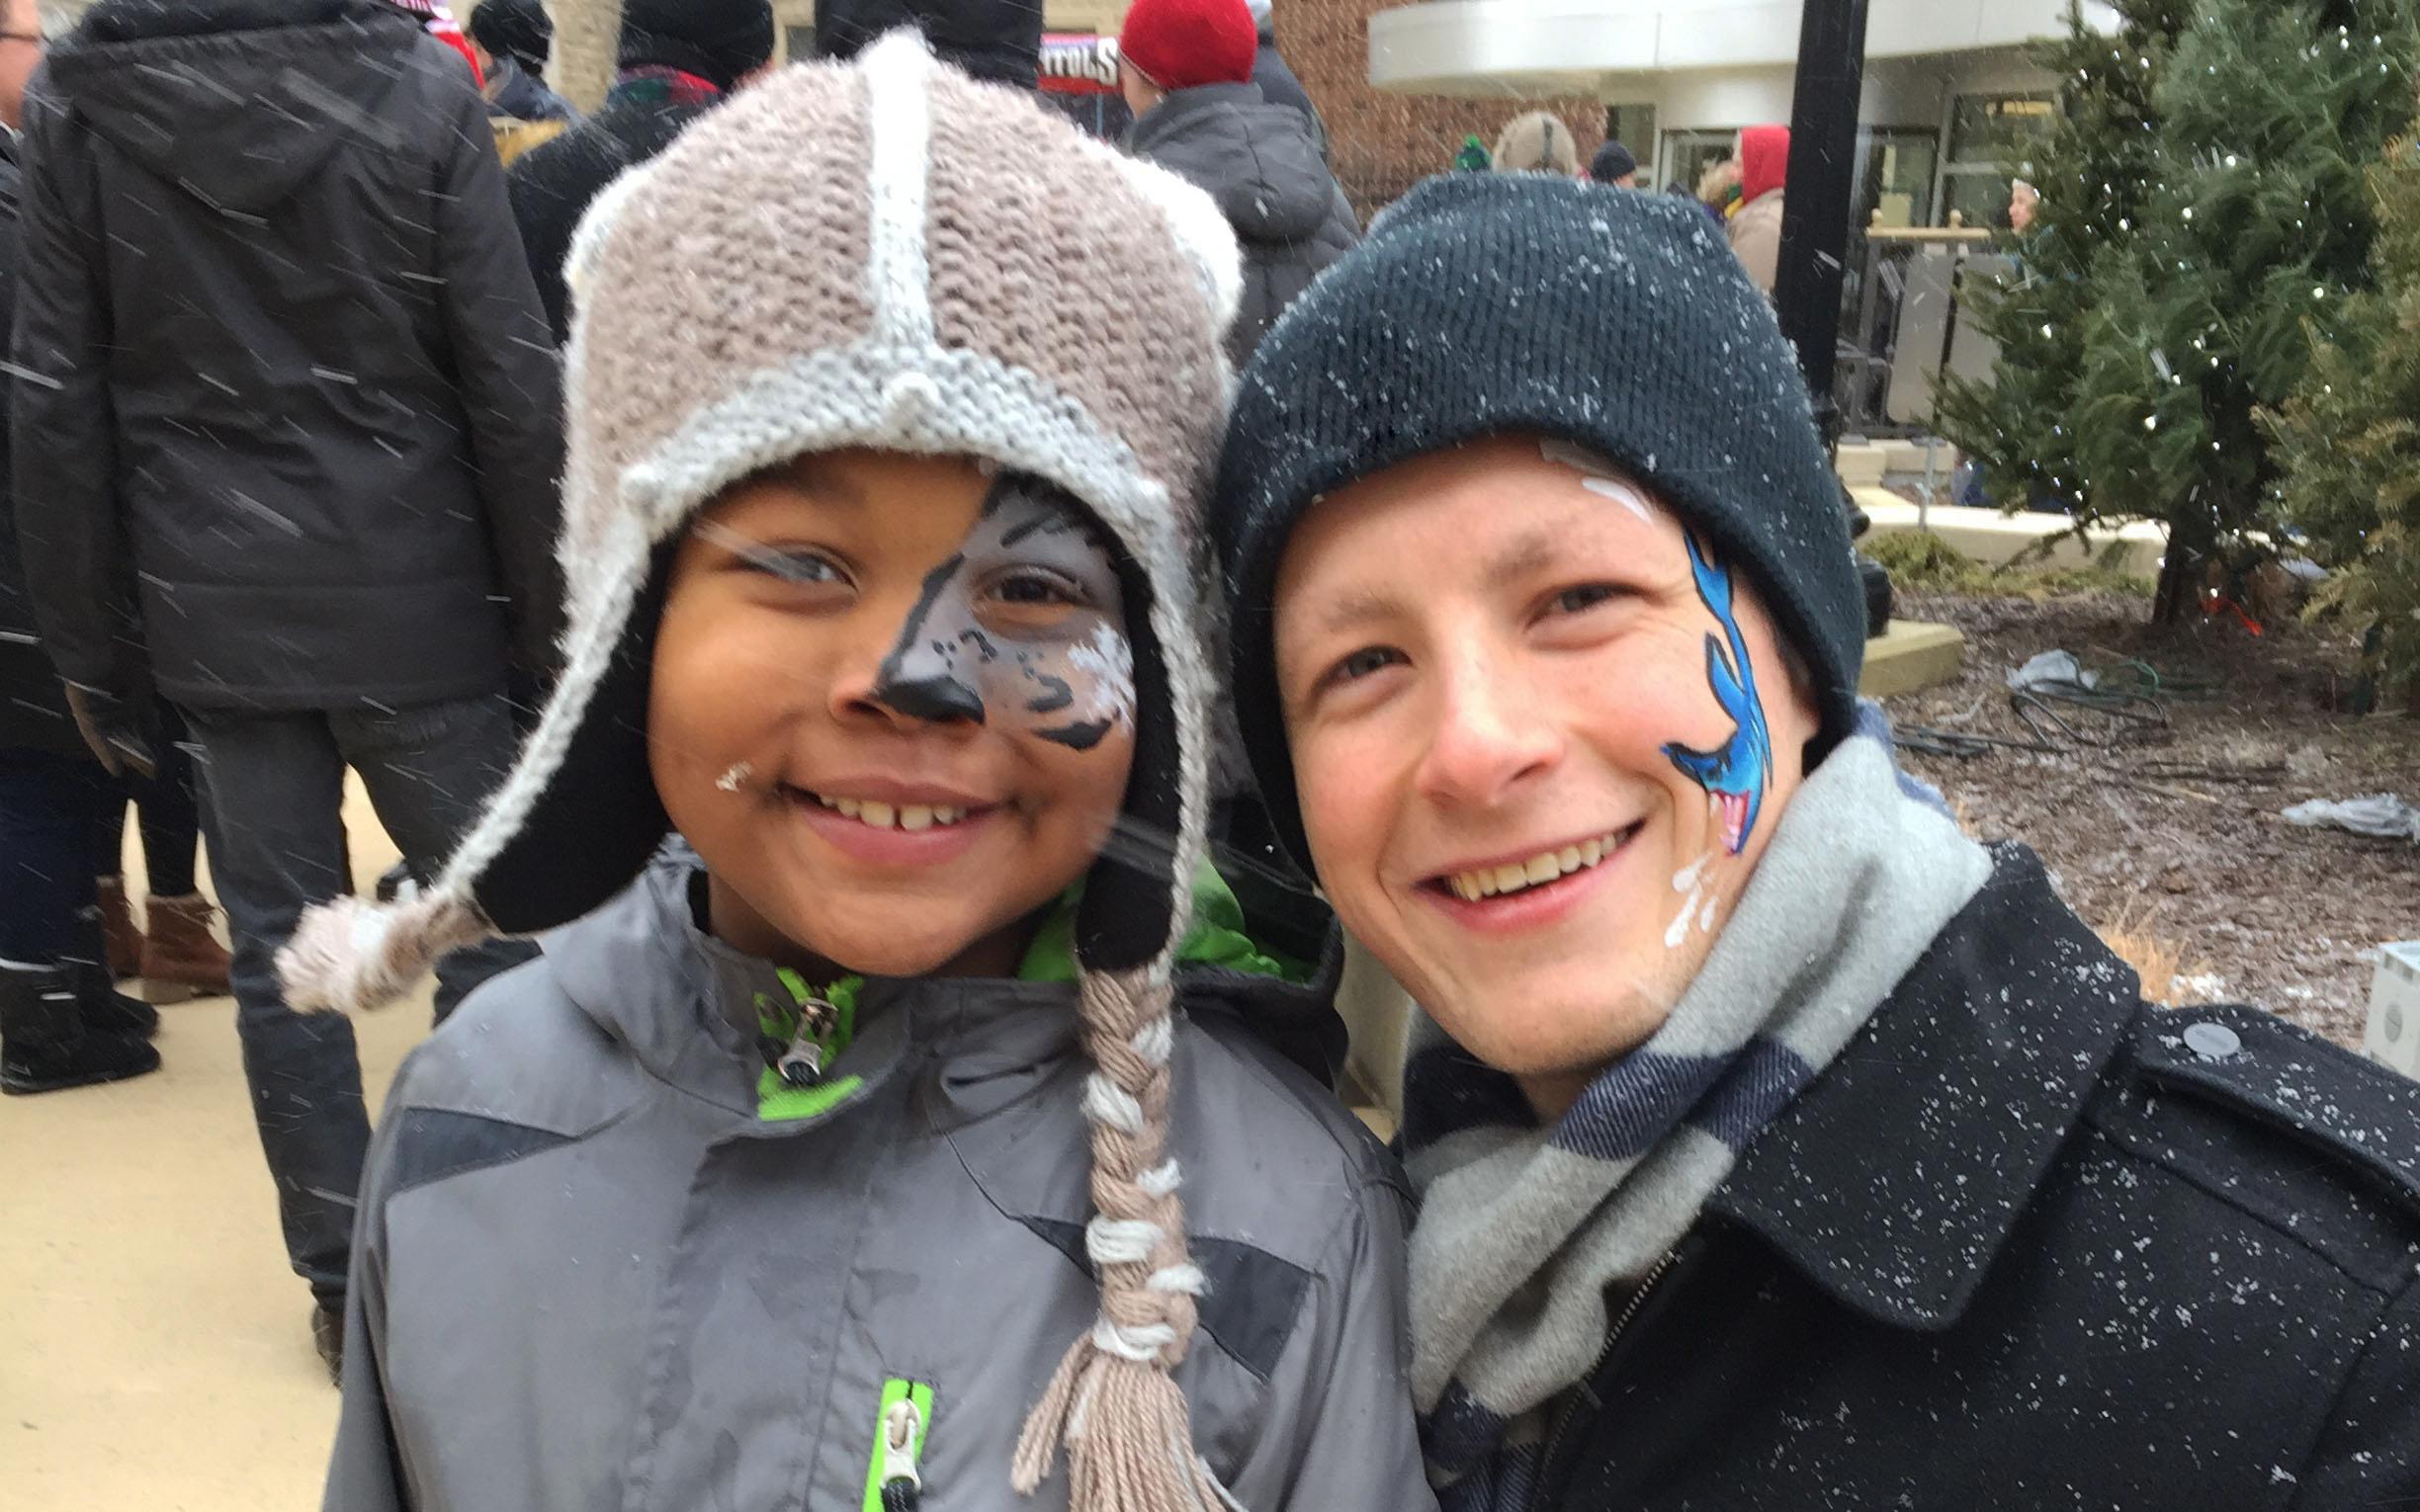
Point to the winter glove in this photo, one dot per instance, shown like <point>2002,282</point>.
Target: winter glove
<point>118,729</point>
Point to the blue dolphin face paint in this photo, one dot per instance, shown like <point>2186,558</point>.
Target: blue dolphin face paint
<point>1736,771</point>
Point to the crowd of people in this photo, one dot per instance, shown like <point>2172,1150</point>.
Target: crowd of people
<point>724,557</point>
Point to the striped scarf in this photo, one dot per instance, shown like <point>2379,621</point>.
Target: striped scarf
<point>1530,1235</point>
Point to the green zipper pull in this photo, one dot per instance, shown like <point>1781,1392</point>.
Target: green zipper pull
<point>894,1481</point>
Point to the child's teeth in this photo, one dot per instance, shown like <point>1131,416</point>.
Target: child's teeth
<point>849,807</point>
<point>1510,877</point>
<point>943,815</point>
<point>1543,869</point>
<point>915,816</point>
<point>1569,860</point>
<point>877,815</point>
<point>1592,852</point>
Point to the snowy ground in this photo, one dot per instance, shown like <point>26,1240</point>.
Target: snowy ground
<point>2181,836</point>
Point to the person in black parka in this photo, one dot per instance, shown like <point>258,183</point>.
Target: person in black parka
<point>1278,84</point>
<point>678,59</point>
<point>1186,68</point>
<point>1778,1145</point>
<point>286,433</point>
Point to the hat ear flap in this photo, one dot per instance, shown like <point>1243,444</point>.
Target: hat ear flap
<point>1132,896</point>
<point>597,820</point>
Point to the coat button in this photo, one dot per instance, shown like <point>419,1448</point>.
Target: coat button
<point>2212,1042</point>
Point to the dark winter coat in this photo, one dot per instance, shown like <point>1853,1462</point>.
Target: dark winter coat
<point>551,186</point>
<point>1259,162</point>
<point>2030,1243</point>
<point>280,363</point>
<point>1279,86</point>
<point>514,91</point>
<point>33,709</point>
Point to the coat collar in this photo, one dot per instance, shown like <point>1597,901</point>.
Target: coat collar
<point>1895,1180</point>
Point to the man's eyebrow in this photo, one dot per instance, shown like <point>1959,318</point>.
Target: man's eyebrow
<point>1527,555</point>
<point>1356,607</point>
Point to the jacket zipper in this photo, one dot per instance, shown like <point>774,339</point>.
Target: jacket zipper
<point>896,1481</point>
<point>1570,1408</point>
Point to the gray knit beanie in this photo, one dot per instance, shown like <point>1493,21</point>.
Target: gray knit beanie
<point>878,255</point>
<point>1487,304</point>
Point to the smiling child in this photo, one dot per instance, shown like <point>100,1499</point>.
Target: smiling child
<point>919,1110</point>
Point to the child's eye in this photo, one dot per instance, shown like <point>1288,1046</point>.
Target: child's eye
<point>804,567</point>
<point>1035,589</point>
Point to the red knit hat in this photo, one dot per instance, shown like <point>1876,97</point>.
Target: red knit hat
<point>1184,44</point>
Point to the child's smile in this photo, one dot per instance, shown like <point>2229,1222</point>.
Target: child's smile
<point>893,709</point>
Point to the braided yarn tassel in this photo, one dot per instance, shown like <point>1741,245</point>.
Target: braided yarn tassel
<point>351,956</point>
<point>1113,1402</point>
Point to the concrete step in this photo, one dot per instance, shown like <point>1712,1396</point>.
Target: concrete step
<point>1911,656</point>
<point>1991,538</point>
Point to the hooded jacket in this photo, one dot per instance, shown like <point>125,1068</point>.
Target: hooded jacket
<point>601,1266</point>
<point>282,363</point>
<point>1755,228</point>
<point>1263,167</point>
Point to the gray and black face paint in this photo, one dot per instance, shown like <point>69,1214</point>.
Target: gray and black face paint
<point>1022,628</point>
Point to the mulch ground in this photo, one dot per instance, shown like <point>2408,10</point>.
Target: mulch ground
<point>2174,833</point>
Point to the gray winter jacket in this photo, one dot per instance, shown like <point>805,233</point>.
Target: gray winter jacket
<point>592,1271</point>
<point>1262,165</point>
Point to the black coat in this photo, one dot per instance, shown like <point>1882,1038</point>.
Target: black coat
<point>1258,161</point>
<point>551,186</point>
<point>284,398</point>
<point>1279,86</point>
<point>2029,1243</point>
<point>33,709</point>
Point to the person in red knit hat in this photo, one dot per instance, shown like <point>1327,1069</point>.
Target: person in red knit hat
<point>1186,68</point>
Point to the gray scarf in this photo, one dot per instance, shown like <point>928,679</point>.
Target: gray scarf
<point>1524,1230</point>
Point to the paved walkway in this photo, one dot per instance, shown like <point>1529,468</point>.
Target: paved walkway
<point>156,1349</point>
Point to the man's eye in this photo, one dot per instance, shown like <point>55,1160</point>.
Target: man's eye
<point>1587,596</point>
<point>1363,663</point>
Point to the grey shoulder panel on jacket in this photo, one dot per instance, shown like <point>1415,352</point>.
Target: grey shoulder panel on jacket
<point>519,1052</point>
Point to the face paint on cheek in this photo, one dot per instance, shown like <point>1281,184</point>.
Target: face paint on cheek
<point>1734,773</point>
<point>1059,669</point>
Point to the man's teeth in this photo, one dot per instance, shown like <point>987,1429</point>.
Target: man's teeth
<point>1546,867</point>
<point>886,816</point>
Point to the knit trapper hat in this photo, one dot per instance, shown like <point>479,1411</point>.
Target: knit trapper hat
<point>1483,304</point>
<point>881,254</point>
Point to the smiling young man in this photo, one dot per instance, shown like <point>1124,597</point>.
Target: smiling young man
<point>1778,1145</point>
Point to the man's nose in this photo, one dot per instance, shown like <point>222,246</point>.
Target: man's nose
<point>1491,731</point>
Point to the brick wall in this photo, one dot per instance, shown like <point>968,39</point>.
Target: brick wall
<point>1380,144</point>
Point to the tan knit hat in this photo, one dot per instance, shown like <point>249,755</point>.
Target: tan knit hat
<point>887,254</point>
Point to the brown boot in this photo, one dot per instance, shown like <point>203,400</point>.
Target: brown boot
<point>126,941</point>
<point>180,953</point>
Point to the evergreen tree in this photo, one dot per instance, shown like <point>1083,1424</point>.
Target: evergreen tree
<point>2349,442</point>
<point>2202,213</point>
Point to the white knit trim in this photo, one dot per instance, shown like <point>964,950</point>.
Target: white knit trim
<point>596,223</point>
<point>898,72</point>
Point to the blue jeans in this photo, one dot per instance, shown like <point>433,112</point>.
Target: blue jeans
<point>274,786</point>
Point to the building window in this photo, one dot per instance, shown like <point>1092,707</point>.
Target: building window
<point>1991,137</point>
